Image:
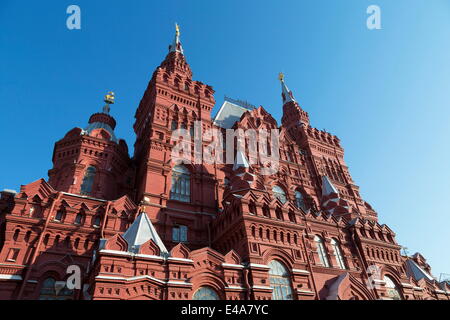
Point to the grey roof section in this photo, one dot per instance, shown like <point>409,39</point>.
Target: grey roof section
<point>141,231</point>
<point>287,94</point>
<point>417,272</point>
<point>228,114</point>
<point>327,187</point>
<point>241,161</point>
<point>100,125</point>
<point>10,191</point>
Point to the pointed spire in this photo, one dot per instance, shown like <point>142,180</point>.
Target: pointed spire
<point>327,187</point>
<point>141,231</point>
<point>241,161</point>
<point>176,45</point>
<point>285,92</point>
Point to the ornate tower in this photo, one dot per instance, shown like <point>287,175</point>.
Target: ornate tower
<point>324,158</point>
<point>93,161</point>
<point>182,197</point>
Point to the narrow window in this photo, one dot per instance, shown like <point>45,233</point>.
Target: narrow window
<point>338,253</point>
<point>321,252</point>
<point>299,201</point>
<point>96,222</point>
<point>88,181</point>
<point>181,184</point>
<point>179,234</point>
<point>279,193</point>
<point>59,216</point>
<point>79,219</point>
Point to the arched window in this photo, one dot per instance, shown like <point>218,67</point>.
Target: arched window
<point>279,193</point>
<point>59,217</point>
<point>392,290</point>
<point>51,290</point>
<point>206,293</point>
<point>266,211</point>
<point>79,219</point>
<point>181,184</point>
<point>321,252</point>
<point>338,253</point>
<point>252,207</point>
<point>16,234</point>
<point>280,281</point>
<point>174,125</point>
<point>299,200</point>
<point>279,213</point>
<point>88,181</point>
<point>291,215</point>
<point>96,221</point>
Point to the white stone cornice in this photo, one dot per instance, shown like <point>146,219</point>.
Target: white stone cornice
<point>300,271</point>
<point>406,285</point>
<point>262,287</point>
<point>235,288</point>
<point>10,277</point>
<point>230,265</point>
<point>173,282</point>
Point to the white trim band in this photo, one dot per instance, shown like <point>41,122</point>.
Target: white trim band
<point>230,265</point>
<point>10,277</point>
<point>300,271</point>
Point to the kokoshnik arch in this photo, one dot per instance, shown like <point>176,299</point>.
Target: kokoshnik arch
<point>143,227</point>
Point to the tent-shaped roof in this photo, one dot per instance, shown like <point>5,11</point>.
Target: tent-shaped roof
<point>417,272</point>
<point>327,187</point>
<point>141,231</point>
<point>229,113</point>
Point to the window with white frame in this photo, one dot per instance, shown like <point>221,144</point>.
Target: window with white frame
<point>280,281</point>
<point>321,252</point>
<point>279,193</point>
<point>392,290</point>
<point>338,253</point>
<point>179,234</point>
<point>181,184</point>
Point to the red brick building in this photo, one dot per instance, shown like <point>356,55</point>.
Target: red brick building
<point>142,227</point>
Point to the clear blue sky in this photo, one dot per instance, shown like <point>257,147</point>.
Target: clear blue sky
<point>385,93</point>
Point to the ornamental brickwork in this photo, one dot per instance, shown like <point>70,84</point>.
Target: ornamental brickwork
<point>144,227</point>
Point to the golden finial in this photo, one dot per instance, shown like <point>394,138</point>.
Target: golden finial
<point>281,76</point>
<point>141,208</point>
<point>177,29</point>
<point>110,98</point>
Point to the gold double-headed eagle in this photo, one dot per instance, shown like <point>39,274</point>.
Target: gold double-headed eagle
<point>110,98</point>
<point>281,76</point>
